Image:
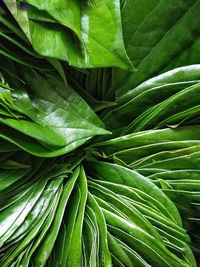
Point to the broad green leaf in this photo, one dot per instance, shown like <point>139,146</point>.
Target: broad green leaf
<point>146,141</point>
<point>77,32</point>
<point>127,199</point>
<point>123,206</point>
<point>153,251</point>
<point>59,120</point>
<point>140,105</point>
<point>113,172</point>
<point>155,35</point>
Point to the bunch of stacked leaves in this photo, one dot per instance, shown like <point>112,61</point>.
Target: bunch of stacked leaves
<point>99,162</point>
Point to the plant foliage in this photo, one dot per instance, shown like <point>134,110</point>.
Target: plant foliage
<point>99,133</point>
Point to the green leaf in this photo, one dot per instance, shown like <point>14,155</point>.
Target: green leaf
<point>75,251</point>
<point>45,248</point>
<point>169,98</point>
<point>113,172</point>
<point>77,31</point>
<point>152,45</point>
<point>59,120</point>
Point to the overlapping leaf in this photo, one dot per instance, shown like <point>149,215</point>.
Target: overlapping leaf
<point>131,206</point>
<point>86,34</point>
<point>47,120</point>
<point>158,35</point>
<point>119,202</point>
<point>170,159</point>
<point>171,98</point>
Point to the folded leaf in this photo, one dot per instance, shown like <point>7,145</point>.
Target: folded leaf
<point>75,33</point>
